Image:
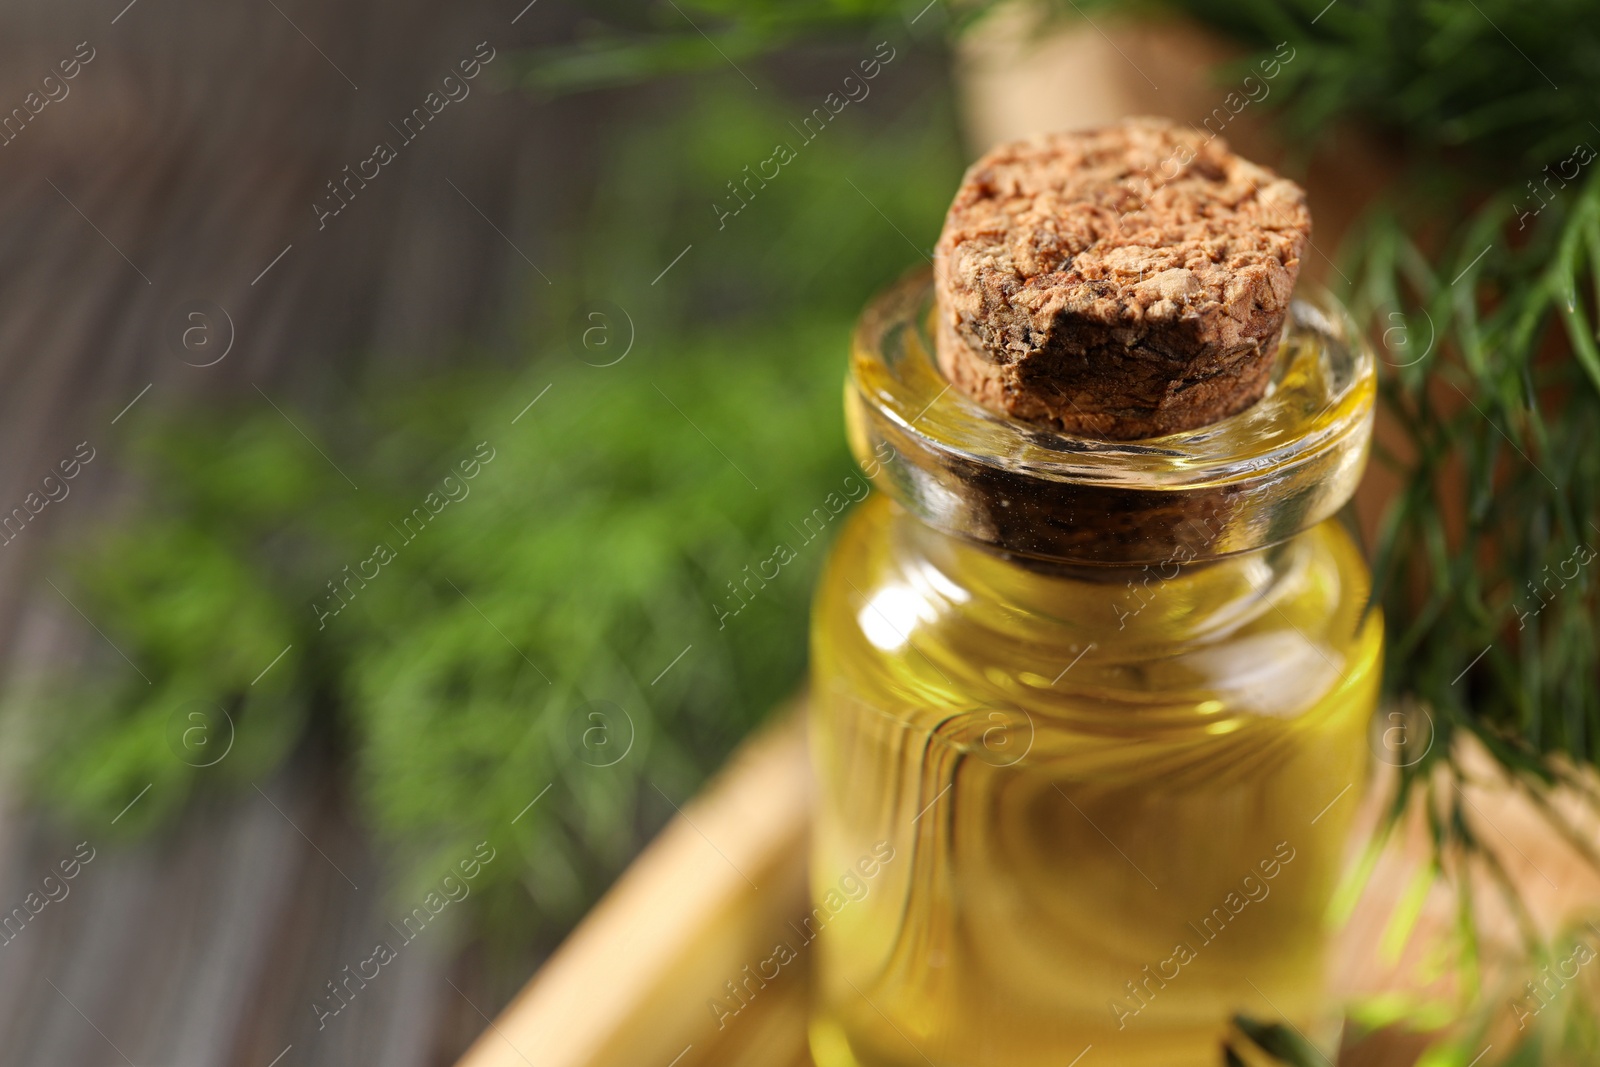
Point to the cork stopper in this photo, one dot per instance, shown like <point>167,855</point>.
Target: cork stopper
<point>1118,283</point>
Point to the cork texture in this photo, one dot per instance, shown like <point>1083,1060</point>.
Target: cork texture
<point>1120,283</point>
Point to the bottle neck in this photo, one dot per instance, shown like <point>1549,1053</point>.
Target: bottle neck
<point>1173,602</point>
<point>1236,486</point>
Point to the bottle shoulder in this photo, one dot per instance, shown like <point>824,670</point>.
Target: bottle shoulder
<point>906,614</point>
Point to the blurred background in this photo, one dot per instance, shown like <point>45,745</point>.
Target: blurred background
<point>278,353</point>
<point>398,396</point>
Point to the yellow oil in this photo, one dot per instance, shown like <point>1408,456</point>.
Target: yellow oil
<point>1114,803</point>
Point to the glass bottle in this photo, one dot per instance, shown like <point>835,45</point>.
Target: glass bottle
<point>1089,718</point>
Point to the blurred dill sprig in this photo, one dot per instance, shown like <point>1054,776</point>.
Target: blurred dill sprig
<point>1479,277</point>
<point>522,639</point>
<point>628,43</point>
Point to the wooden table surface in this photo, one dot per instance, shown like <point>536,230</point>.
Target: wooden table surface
<point>182,163</point>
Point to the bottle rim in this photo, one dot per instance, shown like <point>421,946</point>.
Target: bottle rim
<point>1246,482</point>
